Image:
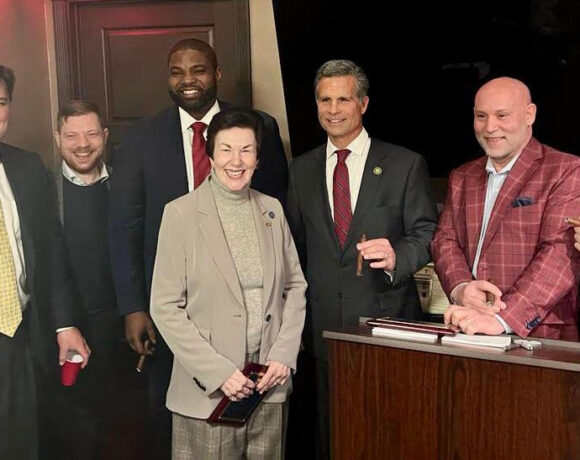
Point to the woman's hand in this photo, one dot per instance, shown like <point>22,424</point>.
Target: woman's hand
<point>238,386</point>
<point>277,374</point>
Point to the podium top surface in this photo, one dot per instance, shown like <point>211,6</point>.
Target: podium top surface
<point>554,354</point>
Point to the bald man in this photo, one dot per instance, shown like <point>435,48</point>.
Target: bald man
<point>502,234</point>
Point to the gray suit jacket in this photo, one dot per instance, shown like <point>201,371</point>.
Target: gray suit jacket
<point>395,201</point>
<point>197,302</point>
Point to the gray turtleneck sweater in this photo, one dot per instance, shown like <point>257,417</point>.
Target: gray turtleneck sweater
<point>237,219</point>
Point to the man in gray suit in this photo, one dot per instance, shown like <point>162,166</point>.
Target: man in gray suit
<point>352,186</point>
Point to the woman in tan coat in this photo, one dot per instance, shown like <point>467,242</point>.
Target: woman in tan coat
<point>228,290</point>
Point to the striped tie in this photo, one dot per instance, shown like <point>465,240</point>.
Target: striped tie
<point>201,165</point>
<point>10,310</point>
<point>341,197</point>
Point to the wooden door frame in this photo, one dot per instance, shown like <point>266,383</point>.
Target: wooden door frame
<point>67,50</point>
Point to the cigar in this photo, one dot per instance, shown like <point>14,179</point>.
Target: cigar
<point>359,259</point>
<point>572,221</point>
<point>489,297</point>
<point>141,361</point>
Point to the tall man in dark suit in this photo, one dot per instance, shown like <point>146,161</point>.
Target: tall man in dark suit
<point>35,300</point>
<point>161,159</point>
<point>82,185</point>
<point>355,185</point>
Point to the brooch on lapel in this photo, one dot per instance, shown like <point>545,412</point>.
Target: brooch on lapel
<point>377,170</point>
<point>271,215</point>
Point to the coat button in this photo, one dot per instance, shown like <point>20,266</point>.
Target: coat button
<point>268,317</point>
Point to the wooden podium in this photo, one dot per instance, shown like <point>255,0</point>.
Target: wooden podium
<point>401,400</point>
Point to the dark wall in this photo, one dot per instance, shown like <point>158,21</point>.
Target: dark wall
<point>425,63</point>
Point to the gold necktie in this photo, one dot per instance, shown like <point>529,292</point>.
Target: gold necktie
<point>10,309</point>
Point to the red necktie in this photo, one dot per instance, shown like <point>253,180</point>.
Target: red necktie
<point>201,165</point>
<point>341,197</point>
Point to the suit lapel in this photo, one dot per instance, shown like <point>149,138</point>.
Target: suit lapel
<point>175,151</point>
<point>263,219</point>
<point>522,171</point>
<point>18,186</point>
<point>475,191</point>
<point>212,231</point>
<point>320,193</point>
<point>369,187</point>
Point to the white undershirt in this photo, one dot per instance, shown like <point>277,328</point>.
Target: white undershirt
<point>355,162</point>
<point>186,121</point>
<point>12,223</point>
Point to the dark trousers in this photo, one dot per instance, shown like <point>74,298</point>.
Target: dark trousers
<point>158,368</point>
<point>82,412</point>
<point>18,410</point>
<point>308,422</point>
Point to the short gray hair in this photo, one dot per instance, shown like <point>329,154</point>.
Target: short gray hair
<point>343,68</point>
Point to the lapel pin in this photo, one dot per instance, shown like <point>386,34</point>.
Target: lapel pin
<point>271,214</point>
<point>377,170</point>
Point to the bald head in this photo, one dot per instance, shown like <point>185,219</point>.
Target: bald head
<point>503,119</point>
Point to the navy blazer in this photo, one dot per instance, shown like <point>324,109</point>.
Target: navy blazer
<point>52,302</point>
<point>149,173</point>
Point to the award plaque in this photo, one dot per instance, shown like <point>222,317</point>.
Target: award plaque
<point>238,412</point>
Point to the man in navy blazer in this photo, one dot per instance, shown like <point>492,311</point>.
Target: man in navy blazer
<point>153,167</point>
<point>389,201</point>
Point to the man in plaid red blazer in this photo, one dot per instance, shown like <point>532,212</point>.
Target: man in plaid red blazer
<point>502,231</point>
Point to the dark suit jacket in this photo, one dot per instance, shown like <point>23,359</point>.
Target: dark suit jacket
<point>528,251</point>
<point>394,202</point>
<point>47,272</point>
<point>149,173</point>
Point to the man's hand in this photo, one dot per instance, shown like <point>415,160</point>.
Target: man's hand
<point>472,321</point>
<point>381,251</point>
<point>137,324</point>
<point>72,339</point>
<point>473,295</point>
<point>577,238</point>
<point>238,386</point>
<point>277,374</point>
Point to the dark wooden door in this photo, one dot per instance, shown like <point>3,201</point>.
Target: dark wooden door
<point>114,53</point>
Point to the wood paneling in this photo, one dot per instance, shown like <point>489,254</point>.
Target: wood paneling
<point>389,403</point>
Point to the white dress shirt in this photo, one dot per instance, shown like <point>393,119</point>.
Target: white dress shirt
<point>187,133</point>
<point>12,222</point>
<point>495,180</point>
<point>75,179</point>
<point>355,162</point>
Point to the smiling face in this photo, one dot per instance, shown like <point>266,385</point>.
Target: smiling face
<point>81,141</point>
<point>193,81</point>
<point>4,108</point>
<point>235,157</point>
<point>503,119</point>
<point>340,111</point>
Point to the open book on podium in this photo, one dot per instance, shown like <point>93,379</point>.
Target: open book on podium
<point>427,332</point>
<point>406,329</point>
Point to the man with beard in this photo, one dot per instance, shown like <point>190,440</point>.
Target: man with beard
<point>82,188</point>
<point>161,159</point>
<point>36,302</point>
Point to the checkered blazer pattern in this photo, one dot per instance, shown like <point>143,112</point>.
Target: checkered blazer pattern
<point>528,248</point>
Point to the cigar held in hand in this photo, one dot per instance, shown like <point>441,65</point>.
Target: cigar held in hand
<point>360,259</point>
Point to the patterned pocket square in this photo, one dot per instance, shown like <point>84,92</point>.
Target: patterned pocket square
<point>522,201</point>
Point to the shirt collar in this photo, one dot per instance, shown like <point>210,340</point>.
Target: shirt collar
<point>356,147</point>
<point>187,120</point>
<point>506,169</point>
<point>74,178</point>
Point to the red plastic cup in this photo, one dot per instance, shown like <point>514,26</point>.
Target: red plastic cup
<point>71,368</point>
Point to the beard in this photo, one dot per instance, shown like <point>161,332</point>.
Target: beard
<point>192,106</point>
